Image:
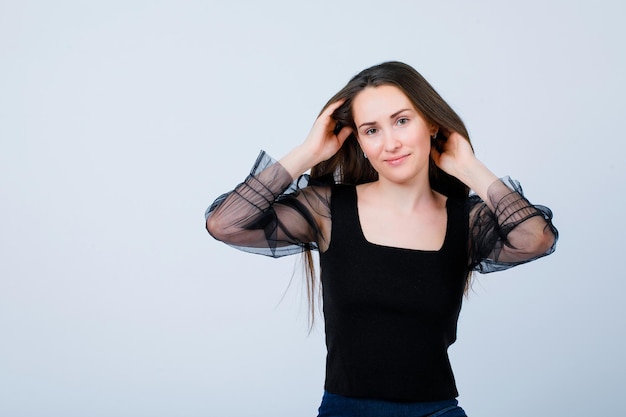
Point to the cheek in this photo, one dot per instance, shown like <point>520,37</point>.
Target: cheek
<point>370,145</point>
<point>419,138</point>
<point>370,148</point>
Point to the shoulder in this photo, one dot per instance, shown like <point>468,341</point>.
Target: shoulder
<point>460,207</point>
<point>342,192</point>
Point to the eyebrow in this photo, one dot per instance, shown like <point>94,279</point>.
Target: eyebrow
<point>391,117</point>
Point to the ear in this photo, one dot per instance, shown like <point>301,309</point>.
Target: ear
<point>434,129</point>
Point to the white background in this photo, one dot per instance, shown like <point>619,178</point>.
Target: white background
<point>120,121</point>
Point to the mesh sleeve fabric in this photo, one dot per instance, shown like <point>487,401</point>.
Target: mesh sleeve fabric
<point>270,213</point>
<point>503,229</point>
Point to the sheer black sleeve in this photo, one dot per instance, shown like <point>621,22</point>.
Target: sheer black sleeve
<point>507,230</point>
<point>270,213</point>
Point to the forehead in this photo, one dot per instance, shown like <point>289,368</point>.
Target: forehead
<point>376,102</point>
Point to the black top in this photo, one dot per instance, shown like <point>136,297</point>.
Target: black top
<point>390,313</point>
<point>272,214</point>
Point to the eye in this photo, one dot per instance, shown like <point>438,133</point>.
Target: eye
<point>402,121</point>
<point>371,131</point>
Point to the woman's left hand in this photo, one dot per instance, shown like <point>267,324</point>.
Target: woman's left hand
<point>457,159</point>
<point>456,156</point>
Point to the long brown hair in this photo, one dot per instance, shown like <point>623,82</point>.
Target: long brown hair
<point>349,166</point>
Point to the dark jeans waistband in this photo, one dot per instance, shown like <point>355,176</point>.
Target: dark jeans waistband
<point>334,405</point>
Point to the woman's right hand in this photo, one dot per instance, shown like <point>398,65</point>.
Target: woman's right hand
<point>320,144</point>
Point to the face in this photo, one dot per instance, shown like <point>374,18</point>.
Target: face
<point>392,133</point>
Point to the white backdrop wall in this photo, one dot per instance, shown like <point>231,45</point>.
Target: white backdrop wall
<point>120,121</point>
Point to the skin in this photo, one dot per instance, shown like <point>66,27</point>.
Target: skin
<point>457,158</point>
<point>394,136</point>
<point>396,139</point>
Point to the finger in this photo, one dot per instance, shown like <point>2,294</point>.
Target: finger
<point>328,111</point>
<point>344,133</point>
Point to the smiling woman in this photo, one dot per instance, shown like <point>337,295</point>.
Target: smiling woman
<point>392,134</point>
<point>388,207</point>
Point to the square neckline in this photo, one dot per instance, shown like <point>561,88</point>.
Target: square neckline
<point>398,248</point>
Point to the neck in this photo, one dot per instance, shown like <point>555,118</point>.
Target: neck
<point>404,196</point>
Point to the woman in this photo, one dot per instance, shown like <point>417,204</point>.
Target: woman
<point>388,208</point>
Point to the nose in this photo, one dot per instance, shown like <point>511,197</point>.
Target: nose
<point>391,142</point>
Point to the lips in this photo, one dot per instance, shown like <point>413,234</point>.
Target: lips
<point>396,161</point>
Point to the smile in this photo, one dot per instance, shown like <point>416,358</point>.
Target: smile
<point>396,161</point>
